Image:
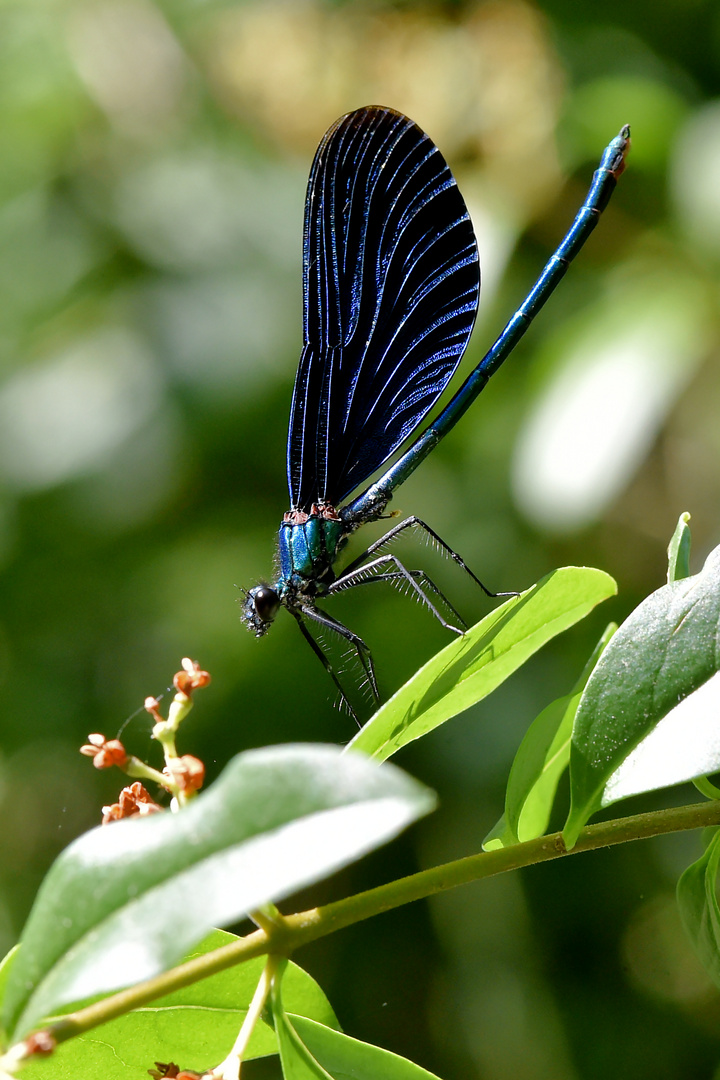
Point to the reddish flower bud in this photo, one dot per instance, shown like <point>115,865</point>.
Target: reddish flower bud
<point>40,1044</point>
<point>152,705</point>
<point>191,677</point>
<point>134,801</point>
<point>187,772</point>
<point>171,1071</point>
<point>104,752</point>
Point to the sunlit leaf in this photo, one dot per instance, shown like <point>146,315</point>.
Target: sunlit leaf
<point>666,649</point>
<point>679,550</point>
<point>541,759</point>
<point>539,763</point>
<point>501,835</point>
<point>474,665</point>
<point>684,745</point>
<point>5,965</point>
<point>126,901</point>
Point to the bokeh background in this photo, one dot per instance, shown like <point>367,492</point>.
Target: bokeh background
<point>153,161</point>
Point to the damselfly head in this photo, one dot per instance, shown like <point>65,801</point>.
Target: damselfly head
<point>260,608</point>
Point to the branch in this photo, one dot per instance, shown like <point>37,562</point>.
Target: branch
<point>306,926</point>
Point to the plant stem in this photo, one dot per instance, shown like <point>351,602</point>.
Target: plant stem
<point>268,918</point>
<point>303,927</point>
<point>138,770</point>
<point>229,1069</point>
<point>165,732</point>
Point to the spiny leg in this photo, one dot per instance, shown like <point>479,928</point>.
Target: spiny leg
<point>395,577</point>
<point>416,522</point>
<point>363,652</point>
<point>363,573</point>
<point>325,663</point>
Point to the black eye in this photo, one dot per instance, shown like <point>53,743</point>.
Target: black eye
<point>266,602</point>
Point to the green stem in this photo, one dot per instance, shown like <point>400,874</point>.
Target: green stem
<point>138,770</point>
<point>268,918</point>
<point>229,1069</point>
<point>165,731</point>
<point>304,927</point>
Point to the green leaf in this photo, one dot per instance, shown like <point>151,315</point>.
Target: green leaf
<point>705,787</point>
<point>541,759</point>
<point>194,1027</point>
<point>679,551</point>
<point>539,763</point>
<point>501,835</point>
<point>663,652</point>
<point>473,666</point>
<point>344,1058</point>
<point>5,965</point>
<point>684,745</point>
<point>128,900</point>
<point>296,1060</point>
<point>312,1051</point>
<point>699,911</point>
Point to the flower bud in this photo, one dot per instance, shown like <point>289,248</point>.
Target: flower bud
<point>105,752</point>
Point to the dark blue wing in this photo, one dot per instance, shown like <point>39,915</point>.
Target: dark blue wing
<point>390,284</point>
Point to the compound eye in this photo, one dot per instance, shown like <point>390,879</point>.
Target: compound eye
<point>266,602</point>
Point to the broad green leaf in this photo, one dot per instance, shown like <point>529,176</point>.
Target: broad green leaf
<point>542,758</point>
<point>309,1051</point>
<point>128,900</point>
<point>5,965</point>
<point>194,1027</point>
<point>539,763</point>
<point>679,550</point>
<point>663,652</point>
<point>697,900</point>
<point>344,1058</point>
<point>474,665</point>
<point>296,1060</point>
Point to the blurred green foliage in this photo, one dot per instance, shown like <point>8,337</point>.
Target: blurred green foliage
<point>154,158</point>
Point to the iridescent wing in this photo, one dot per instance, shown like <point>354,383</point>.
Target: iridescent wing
<point>390,283</point>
